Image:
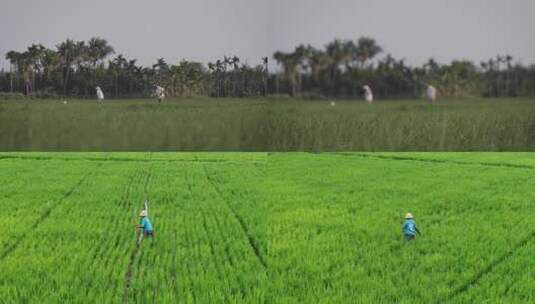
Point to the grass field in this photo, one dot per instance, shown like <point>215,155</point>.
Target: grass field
<point>204,124</point>
<point>267,228</point>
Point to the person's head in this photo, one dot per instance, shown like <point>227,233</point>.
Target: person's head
<point>409,216</point>
<point>97,88</point>
<point>143,213</point>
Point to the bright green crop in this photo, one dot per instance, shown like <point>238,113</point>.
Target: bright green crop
<point>267,228</point>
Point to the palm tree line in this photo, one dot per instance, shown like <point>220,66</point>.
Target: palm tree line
<point>339,69</point>
<point>75,68</point>
<point>342,67</point>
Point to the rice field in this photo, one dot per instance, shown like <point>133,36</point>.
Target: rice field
<point>269,124</point>
<point>69,234</point>
<point>267,227</point>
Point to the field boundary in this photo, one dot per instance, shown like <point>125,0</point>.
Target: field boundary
<point>10,248</point>
<point>250,238</point>
<point>124,159</point>
<point>490,267</point>
<point>430,160</point>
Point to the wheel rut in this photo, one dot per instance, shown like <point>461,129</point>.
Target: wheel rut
<point>46,213</point>
<point>252,242</point>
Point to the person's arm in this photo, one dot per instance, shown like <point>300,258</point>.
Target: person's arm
<point>141,225</point>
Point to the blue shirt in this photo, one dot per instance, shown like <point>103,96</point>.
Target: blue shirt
<point>409,227</point>
<point>146,224</point>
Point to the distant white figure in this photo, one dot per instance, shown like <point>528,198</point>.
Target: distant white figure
<point>333,103</point>
<point>160,93</point>
<point>431,93</point>
<point>368,95</point>
<point>100,95</point>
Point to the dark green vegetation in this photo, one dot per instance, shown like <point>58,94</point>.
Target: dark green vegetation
<point>339,69</point>
<point>267,228</point>
<point>268,125</point>
<point>133,125</point>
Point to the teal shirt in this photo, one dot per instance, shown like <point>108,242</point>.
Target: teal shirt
<point>146,224</point>
<point>409,227</point>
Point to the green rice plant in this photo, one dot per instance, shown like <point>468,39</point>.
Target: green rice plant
<point>267,228</point>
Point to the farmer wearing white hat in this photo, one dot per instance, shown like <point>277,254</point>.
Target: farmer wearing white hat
<point>145,227</point>
<point>431,93</point>
<point>100,95</point>
<point>409,227</point>
<point>368,95</point>
<point>160,93</point>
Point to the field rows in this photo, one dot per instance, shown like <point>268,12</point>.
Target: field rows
<point>346,243</point>
<point>259,228</point>
<point>200,253</point>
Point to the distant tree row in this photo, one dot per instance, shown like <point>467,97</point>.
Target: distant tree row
<point>75,68</point>
<point>339,69</point>
<point>342,67</point>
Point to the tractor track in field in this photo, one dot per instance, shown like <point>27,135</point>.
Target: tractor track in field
<point>124,199</point>
<point>489,268</point>
<point>130,269</point>
<point>250,238</point>
<point>46,213</point>
<point>212,220</point>
<point>188,266</point>
<point>439,161</point>
<point>209,236</point>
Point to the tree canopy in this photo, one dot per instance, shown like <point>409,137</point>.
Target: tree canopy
<point>339,69</point>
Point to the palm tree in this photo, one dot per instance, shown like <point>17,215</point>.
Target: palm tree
<point>508,59</point>
<point>366,50</point>
<point>98,49</point>
<point>161,69</point>
<point>118,65</point>
<point>339,52</point>
<point>15,59</point>
<point>72,55</point>
<point>291,63</point>
<point>25,63</point>
<point>265,62</point>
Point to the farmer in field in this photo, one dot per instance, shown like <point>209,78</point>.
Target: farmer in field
<point>409,227</point>
<point>160,93</point>
<point>431,93</point>
<point>368,95</point>
<point>145,227</point>
<point>100,95</point>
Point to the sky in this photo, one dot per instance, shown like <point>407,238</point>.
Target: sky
<point>204,30</point>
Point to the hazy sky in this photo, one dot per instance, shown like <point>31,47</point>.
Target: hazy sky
<point>207,29</point>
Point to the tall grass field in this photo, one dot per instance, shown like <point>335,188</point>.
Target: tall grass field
<point>267,227</point>
<point>204,124</point>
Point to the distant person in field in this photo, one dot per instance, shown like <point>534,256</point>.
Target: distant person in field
<point>160,93</point>
<point>100,95</point>
<point>431,93</point>
<point>145,228</point>
<point>409,227</point>
<point>368,95</point>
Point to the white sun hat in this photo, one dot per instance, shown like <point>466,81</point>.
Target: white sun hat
<point>408,215</point>
<point>143,213</point>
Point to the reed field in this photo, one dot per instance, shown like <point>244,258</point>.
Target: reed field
<point>267,227</point>
<point>270,124</point>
